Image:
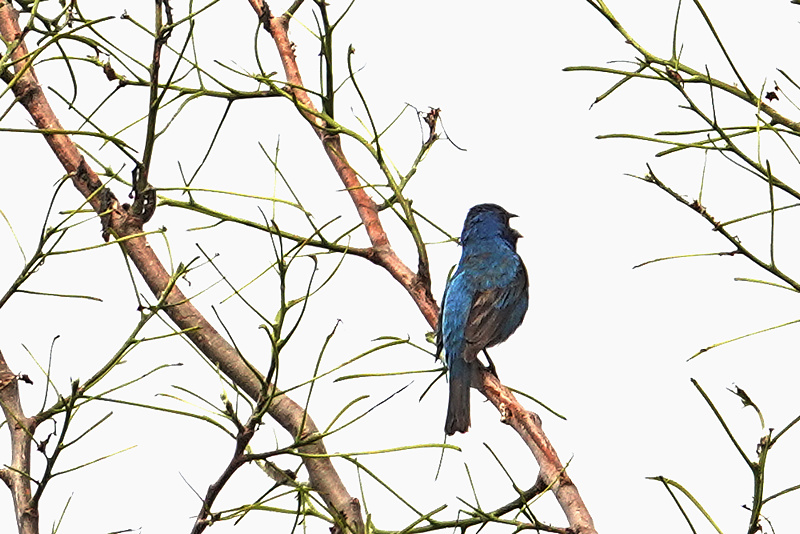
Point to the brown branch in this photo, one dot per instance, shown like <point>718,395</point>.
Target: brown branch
<point>383,254</point>
<point>528,425</point>
<point>120,222</point>
<point>551,470</point>
<point>17,475</point>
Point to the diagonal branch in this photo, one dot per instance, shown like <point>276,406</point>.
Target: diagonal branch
<point>770,267</point>
<point>382,252</point>
<point>551,470</point>
<point>552,473</point>
<point>120,222</point>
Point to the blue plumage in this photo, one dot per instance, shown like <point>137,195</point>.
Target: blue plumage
<point>483,304</point>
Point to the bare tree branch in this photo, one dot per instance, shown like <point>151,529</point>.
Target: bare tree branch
<point>382,252</point>
<point>17,475</point>
<point>552,473</point>
<point>418,287</point>
<point>121,223</point>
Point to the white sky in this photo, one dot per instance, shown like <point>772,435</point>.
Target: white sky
<point>602,343</point>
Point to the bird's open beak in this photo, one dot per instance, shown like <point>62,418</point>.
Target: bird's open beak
<point>516,233</point>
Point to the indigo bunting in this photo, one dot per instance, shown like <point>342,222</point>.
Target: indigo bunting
<point>483,304</point>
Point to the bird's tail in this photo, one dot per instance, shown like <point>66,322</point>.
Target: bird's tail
<point>458,408</point>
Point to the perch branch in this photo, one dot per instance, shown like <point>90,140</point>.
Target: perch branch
<point>551,469</point>
<point>552,473</point>
<point>382,252</point>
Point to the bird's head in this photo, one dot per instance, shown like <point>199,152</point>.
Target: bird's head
<point>489,220</point>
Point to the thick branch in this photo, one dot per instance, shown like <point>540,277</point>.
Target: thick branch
<point>323,477</point>
<point>551,472</point>
<point>16,476</point>
<point>513,413</point>
<point>367,209</point>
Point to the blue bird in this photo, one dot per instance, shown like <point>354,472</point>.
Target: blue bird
<point>483,304</point>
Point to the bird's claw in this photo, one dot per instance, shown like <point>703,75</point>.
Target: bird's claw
<point>491,368</point>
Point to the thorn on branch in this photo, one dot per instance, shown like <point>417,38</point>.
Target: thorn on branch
<point>145,205</point>
<point>699,208</point>
<point>763,444</point>
<point>108,203</point>
<point>144,195</point>
<point>731,253</point>
<point>82,175</point>
<point>42,447</point>
<point>355,511</point>
<point>108,70</point>
<point>431,118</point>
<point>649,178</point>
<point>675,76</point>
<point>7,377</point>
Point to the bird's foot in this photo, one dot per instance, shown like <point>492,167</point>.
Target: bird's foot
<point>491,368</point>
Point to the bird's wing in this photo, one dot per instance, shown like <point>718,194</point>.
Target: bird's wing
<point>495,310</point>
<point>439,327</point>
<point>456,305</point>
